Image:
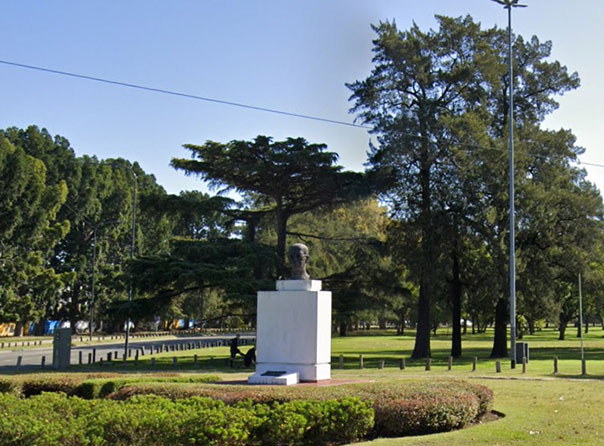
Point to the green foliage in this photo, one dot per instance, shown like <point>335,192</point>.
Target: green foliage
<point>349,254</point>
<point>405,408</point>
<point>234,269</point>
<point>89,387</point>
<point>282,178</point>
<point>437,102</point>
<point>103,387</point>
<point>54,419</point>
<point>29,229</point>
<point>57,209</point>
<point>9,386</point>
<point>31,387</point>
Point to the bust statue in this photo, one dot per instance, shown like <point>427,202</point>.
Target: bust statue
<point>298,259</point>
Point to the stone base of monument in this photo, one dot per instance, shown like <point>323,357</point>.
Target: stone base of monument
<point>293,332</point>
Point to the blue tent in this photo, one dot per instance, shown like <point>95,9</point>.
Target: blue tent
<point>49,326</point>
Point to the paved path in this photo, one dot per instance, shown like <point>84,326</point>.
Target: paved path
<point>32,358</point>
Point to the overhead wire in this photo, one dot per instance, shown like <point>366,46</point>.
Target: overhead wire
<point>185,95</point>
<point>245,106</point>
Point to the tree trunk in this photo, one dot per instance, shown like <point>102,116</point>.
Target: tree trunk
<point>422,335</point>
<point>282,218</point>
<point>343,328</point>
<point>401,324</point>
<point>456,294</point>
<point>18,329</point>
<point>531,326</point>
<point>500,342</point>
<point>251,231</point>
<point>562,327</point>
<point>39,328</point>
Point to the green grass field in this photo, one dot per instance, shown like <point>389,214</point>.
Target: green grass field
<point>539,408</point>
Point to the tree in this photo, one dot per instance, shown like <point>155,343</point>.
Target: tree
<point>418,79</point>
<point>29,230</point>
<point>438,103</point>
<point>98,198</point>
<point>350,255</point>
<point>282,178</point>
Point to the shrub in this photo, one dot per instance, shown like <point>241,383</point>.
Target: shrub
<point>424,415</point>
<point>53,419</point>
<point>9,386</point>
<point>67,385</point>
<point>331,421</point>
<point>280,415</point>
<point>409,407</point>
<point>101,388</point>
<point>89,390</point>
<point>283,426</point>
<point>45,420</point>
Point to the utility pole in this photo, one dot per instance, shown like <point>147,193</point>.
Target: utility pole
<point>583,368</point>
<point>509,4</point>
<point>128,322</point>
<point>91,323</point>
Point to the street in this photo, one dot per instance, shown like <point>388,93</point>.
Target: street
<point>32,358</point>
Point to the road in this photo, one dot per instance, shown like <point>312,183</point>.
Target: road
<point>32,358</point>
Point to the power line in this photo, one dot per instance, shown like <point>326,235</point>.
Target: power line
<point>590,164</point>
<point>185,95</point>
<point>251,107</point>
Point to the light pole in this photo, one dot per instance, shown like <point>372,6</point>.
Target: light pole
<point>95,227</point>
<point>93,279</point>
<point>131,259</point>
<point>509,4</point>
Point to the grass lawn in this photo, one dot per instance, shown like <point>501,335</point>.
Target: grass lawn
<point>537,413</point>
<point>540,408</point>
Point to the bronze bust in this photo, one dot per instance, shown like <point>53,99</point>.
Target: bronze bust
<point>298,259</point>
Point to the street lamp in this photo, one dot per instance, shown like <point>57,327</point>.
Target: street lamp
<point>95,227</point>
<point>509,4</point>
<point>91,323</point>
<point>131,259</point>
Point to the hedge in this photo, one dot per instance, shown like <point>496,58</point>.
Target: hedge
<point>408,407</point>
<point>91,386</point>
<point>404,407</point>
<point>55,419</point>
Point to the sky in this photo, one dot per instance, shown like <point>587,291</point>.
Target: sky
<point>289,55</point>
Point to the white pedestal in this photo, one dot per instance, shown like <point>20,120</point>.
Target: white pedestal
<point>293,331</point>
<point>286,379</point>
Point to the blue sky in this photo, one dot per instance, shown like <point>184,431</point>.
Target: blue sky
<point>289,55</point>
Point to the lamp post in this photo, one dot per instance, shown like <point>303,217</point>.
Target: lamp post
<point>91,323</point>
<point>509,4</point>
<point>95,227</point>
<point>127,341</point>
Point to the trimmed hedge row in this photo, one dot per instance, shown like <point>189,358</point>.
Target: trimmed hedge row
<point>54,419</point>
<point>409,407</point>
<point>91,386</point>
<point>405,407</point>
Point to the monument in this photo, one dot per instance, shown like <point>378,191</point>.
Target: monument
<point>293,328</point>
